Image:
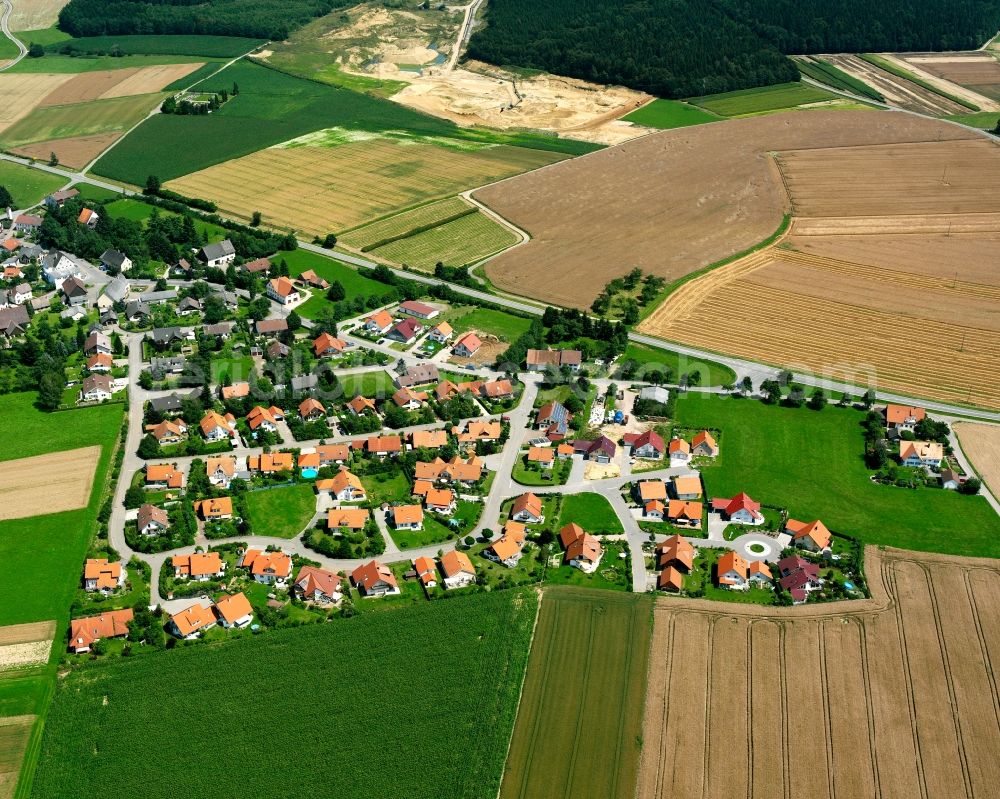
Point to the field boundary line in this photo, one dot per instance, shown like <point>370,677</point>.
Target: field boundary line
<point>625,690</point>
<point>827,720</point>
<point>786,777</point>
<point>869,705</point>
<point>707,727</point>
<point>748,707</point>
<point>984,648</point>
<point>666,705</point>
<point>567,792</point>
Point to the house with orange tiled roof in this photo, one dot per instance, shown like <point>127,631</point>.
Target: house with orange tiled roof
<point>191,622</point>
<point>649,490</point>
<point>429,439</point>
<point>378,323</point>
<point>214,509</point>
<point>374,579</point>
<point>271,462</point>
<point>361,405</point>
<point>467,345</point>
<point>85,632</point>
<point>269,568</point>
<point>100,362</point>
<point>456,470</point>
<point>583,550</point>
<point>441,501</point>
<point>169,431</point>
<point>333,454</point>
<point>311,409</point>
<point>457,569</point>
<point>325,345</point>
<point>544,457</point>
<point>732,572</point>
<point>163,475</point>
<point>421,487</point>
<point>670,579</point>
<point>478,430</point>
<point>198,566</point>
<point>221,470</point>
<point>705,445</point>
<point>654,510</point>
<point>759,573</point>
<point>426,571</point>
<point>99,575</point>
<point>685,513</point>
<point>564,451</point>
<point>676,552</point>
<point>234,611</point>
<point>506,550</point>
<point>900,418</point>
<point>346,518</point>
<point>921,453</point>
<point>313,584</point>
<point>235,391</point>
<point>686,486</point>
<point>384,446</point>
<point>283,291</point>
<point>812,536</point>
<point>344,486</point>
<point>407,517</point>
<point>88,217</point>
<point>528,509</point>
<point>441,333</point>
<point>408,399</point>
<point>261,418</point>
<point>215,427</point>
<point>679,451</point>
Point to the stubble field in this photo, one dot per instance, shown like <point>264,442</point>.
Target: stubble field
<point>981,444</point>
<point>978,71</point>
<point>889,697</point>
<point>47,483</point>
<point>672,202</point>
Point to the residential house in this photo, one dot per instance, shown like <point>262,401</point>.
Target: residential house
<point>507,549</point>
<point>600,450</point>
<point>406,331</point>
<point>679,451</point>
<point>171,403</point>
<point>116,291</point>
<point>345,486</point>
<point>234,611</point>
<point>426,571</point>
<point>13,322</point>
<point>684,513</point>
<point>219,255</point>
<point>583,551</point>
<point>283,291</point>
<point>138,311</point>
<point>57,266</point>
<point>73,291</point>
<point>648,445</point>
<point>161,367</point>
<point>221,470</point>
<point>407,517</point>
<point>740,509</point>
<point>12,272</point>
<point>27,223</point>
<point>220,330</point>
<point>269,568</point>
<point>539,360</point>
<point>732,572</point>
<point>418,375</point>
<point>235,391</point>
<point>418,309</point>
<point>96,388</point>
<point>270,462</point>
<point>97,342</point>
<point>374,579</point>
<point>311,409</point>
<point>101,362</point>
<point>441,501</point>
<point>650,490</point>
<point>429,439</point>
<point>191,622</point>
<point>704,444</point>
<point>217,428</point>
<point>544,457</point>
<point>441,333</point>
<point>812,536</point>
<point>188,306</point>
<point>378,323</point>
<point>99,575</point>
<point>759,573</point>
<point>167,432</point>
<point>21,293</point>
<point>554,419</point>
<point>384,446</point>
<point>165,336</point>
<point>951,480</point>
<point>799,577</point>
<point>276,350</point>
<point>478,430</point>
<point>528,509</point>
<point>670,579</point>
<point>328,455</point>
<point>654,510</point>
<point>921,453</point>
<point>115,261</point>
<point>198,566</point>
<point>408,399</point>
<point>457,569</point>
<point>361,405</point>
<point>162,298</point>
<point>687,486</point>
<point>497,390</point>
<point>181,269</point>
<point>58,198</point>
<point>353,519</point>
<point>215,509</point>
<point>467,345</point>
<point>85,632</point>
<point>676,552</point>
<point>271,327</point>
<point>266,419</point>
<point>320,586</point>
<point>900,418</point>
<point>310,278</point>
<point>163,475</point>
<point>257,266</point>
<point>564,451</point>
<point>325,345</point>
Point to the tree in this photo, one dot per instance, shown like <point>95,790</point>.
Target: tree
<point>746,384</point>
<point>134,496</point>
<point>236,89</point>
<point>36,50</point>
<point>149,448</point>
<point>6,201</point>
<point>259,308</point>
<point>817,400</point>
<point>970,486</point>
<point>255,219</point>
<point>53,159</point>
<point>330,241</point>
<point>50,390</point>
<point>152,185</point>
<point>868,399</point>
<point>771,389</point>
<point>336,292</point>
<point>145,380</point>
<point>294,321</point>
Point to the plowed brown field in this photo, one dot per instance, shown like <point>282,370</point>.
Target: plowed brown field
<point>77,151</point>
<point>672,202</point>
<point>889,698</point>
<point>47,483</point>
<point>981,444</point>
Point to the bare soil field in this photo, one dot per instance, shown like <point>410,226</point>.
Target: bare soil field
<point>104,84</point>
<point>889,697</point>
<point>981,444</point>
<point>953,88</point>
<point>319,189</point>
<point>23,645</point>
<point>20,94</point>
<point>897,91</point>
<point>14,734</point>
<point>977,70</point>
<point>47,484</point>
<point>671,202</point>
<point>77,151</point>
<point>150,79</point>
<point>33,15</point>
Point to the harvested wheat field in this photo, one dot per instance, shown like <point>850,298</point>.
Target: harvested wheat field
<point>19,94</point>
<point>981,445</point>
<point>33,15</point>
<point>150,79</point>
<point>76,152</point>
<point>977,70</point>
<point>877,699</point>
<point>23,645</point>
<point>108,83</point>
<point>46,484</point>
<point>14,734</point>
<point>319,189</point>
<point>671,202</point>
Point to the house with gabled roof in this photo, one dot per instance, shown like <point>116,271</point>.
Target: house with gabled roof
<point>426,571</point>
<point>670,579</point>
<point>684,513</point>
<point>406,331</point>
<point>221,470</point>
<point>219,255</point>
<point>271,327</point>
<point>732,572</point>
<point>408,399</point>
<point>528,509</point>
<point>457,569</point>
<point>704,444</point>
<point>648,445</point>
<point>507,549</point>
<point>583,550</point>
<point>378,323</point>
<point>361,405</point>
<point>539,360</point>
<point>261,418</point>
<point>420,310</point>
<point>812,536</point>
<point>191,622</point>
<point>740,509</point>
<point>478,430</point>
<point>152,520</point>
<point>679,451</point>
<point>344,486</point>
<point>676,552</point>
<point>169,431</point>
<point>374,579</point>
<point>234,611</point>
<point>440,500</point>
<point>428,439</point>
<point>214,509</point>
<point>325,345</point>
<point>686,486</point>
<point>283,291</point>
<point>601,450</point>
<point>441,333</point>
<point>198,566</point>
<point>311,409</point>
<point>257,266</point>
<point>269,568</point>
<point>271,462</point>
<point>799,577</point>
<point>95,388</point>
<point>928,454</point>
<point>215,427</point>
<point>100,575</point>
<point>321,586</point>
<point>163,475</point>
<point>418,375</point>
<point>407,517</point>
<point>85,632</point>
<point>467,345</point>
<point>346,519</point>
<point>649,490</point>
<point>900,418</point>
<point>384,446</point>
<point>543,457</point>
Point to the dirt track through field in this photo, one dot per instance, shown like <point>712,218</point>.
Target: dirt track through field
<point>45,484</point>
<point>981,445</point>
<point>893,697</point>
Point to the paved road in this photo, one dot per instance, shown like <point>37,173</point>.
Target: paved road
<point>22,51</point>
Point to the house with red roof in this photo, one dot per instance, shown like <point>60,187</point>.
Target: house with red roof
<point>648,445</point>
<point>313,584</point>
<point>705,445</point>
<point>740,509</point>
<point>406,331</point>
<point>83,633</point>
<point>374,579</point>
<point>467,345</point>
<point>378,323</point>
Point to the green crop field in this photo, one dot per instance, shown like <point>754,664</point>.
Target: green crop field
<point>651,358</point>
<point>812,463</point>
<point>65,64</point>
<point>97,194</point>
<point>592,512</point>
<point>211,46</point>
<point>762,100</point>
<point>666,114</point>
<point>44,553</point>
<point>383,704</point>
<point>494,323</point>
<point>272,108</point>
<point>28,186</point>
<point>281,512</point>
<point>81,119</point>
<point>984,120</point>
<point>463,241</point>
<point>579,724</point>
<point>406,223</point>
<point>43,36</point>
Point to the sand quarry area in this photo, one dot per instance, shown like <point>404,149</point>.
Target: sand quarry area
<point>45,484</point>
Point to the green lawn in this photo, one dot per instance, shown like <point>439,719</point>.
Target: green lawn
<point>555,476</point>
<point>702,577</point>
<point>464,658</point>
<point>654,359</point>
<point>613,574</point>
<point>985,120</point>
<point>281,512</point>
<point>64,64</point>
<point>374,385</point>
<point>496,323</point>
<point>812,463</point>
<point>591,511</point>
<point>88,191</point>
<point>354,282</point>
<point>666,114</point>
<point>138,211</point>
<point>43,36</point>
<point>28,186</point>
<point>762,100</point>
<point>387,487</point>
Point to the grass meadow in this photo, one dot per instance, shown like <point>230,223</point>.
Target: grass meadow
<point>762,100</point>
<point>355,284</point>
<point>667,114</point>
<point>460,242</point>
<point>210,46</point>
<point>28,186</point>
<point>282,512</point>
<point>492,322</point>
<point>579,724</point>
<point>64,64</point>
<point>592,512</point>
<point>416,682</point>
<point>653,358</point>
<point>812,463</point>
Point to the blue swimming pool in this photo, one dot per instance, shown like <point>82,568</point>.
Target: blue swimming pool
<point>310,474</point>
<point>849,586</point>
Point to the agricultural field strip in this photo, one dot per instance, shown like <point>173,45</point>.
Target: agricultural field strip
<point>947,641</point>
<point>461,241</point>
<point>403,223</point>
<point>23,645</point>
<point>981,445</point>
<point>44,484</point>
<point>20,94</point>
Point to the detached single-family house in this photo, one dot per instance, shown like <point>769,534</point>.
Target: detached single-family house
<point>235,391</point>
<point>687,486</point>
<point>27,223</point>
<point>218,255</point>
<point>670,579</point>
<point>650,490</point>
<point>188,306</point>
<point>426,571</point>
<point>733,572</point>
<point>739,509</point>
<point>261,418</point>
<point>169,431</point>
<point>152,520</point>
<point>198,566</point>
<point>408,399</point>
<point>704,444</point>
<point>359,406</point>
<point>271,327</point>
<point>440,500</point>
<point>467,345</point>
<point>320,586</point>
<point>220,470</point>
<point>407,517</point>
<point>283,291</point>
<point>171,365</point>
<point>83,633</point>
<point>676,552</point>
<point>214,510</point>
<point>234,611</point>
<point>163,475</point>
<point>951,480</point>
<point>441,333</point>
<point>600,450</point>
<point>406,331</point>
<point>99,575</point>
<point>539,360</point>
<point>311,409</point>
<point>116,291</point>
<point>326,345</point>
<point>269,568</point>
<point>384,446</point>
<point>684,513</point>
<point>21,293</point>
<point>353,519</point>
<point>583,551</point>
<point>310,278</point>
<point>544,457</point>
<point>344,486</point>
<point>191,622</point>
<point>900,418</point>
<point>921,453</point>
<point>554,419</point>
<point>73,291</point>
<point>58,198</point>
<point>378,323</point>
<point>96,388</point>
<point>257,266</point>
<point>648,445</point>
<point>429,439</point>
<point>812,536</point>
<point>679,451</point>
<point>215,427</point>
<point>497,390</point>
<point>476,431</point>
<point>528,509</point>
<point>799,577</point>
<point>418,375</point>
<point>270,462</point>
<point>374,579</point>
<point>507,549</point>
<point>458,570</point>
<point>115,261</point>
<point>88,217</point>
